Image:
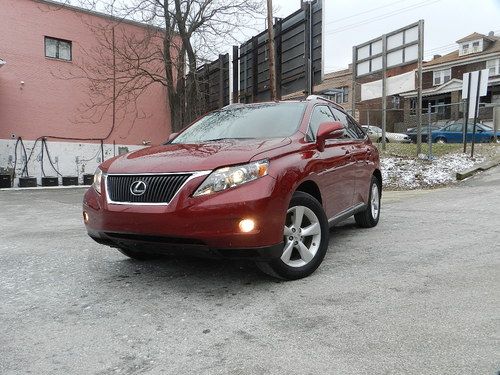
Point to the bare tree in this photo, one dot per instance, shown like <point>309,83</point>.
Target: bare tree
<point>180,34</point>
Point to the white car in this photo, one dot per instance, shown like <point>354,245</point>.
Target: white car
<point>375,134</point>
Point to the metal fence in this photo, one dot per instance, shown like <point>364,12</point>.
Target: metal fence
<point>298,43</point>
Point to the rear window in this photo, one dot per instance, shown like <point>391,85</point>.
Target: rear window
<point>269,120</point>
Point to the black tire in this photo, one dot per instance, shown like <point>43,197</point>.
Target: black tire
<point>137,255</point>
<point>366,219</point>
<point>380,140</point>
<point>277,267</point>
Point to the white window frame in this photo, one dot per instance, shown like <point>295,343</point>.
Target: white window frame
<point>477,48</point>
<point>495,65</point>
<point>465,49</point>
<point>441,76</point>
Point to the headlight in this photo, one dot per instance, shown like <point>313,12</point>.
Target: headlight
<point>228,177</point>
<point>97,180</point>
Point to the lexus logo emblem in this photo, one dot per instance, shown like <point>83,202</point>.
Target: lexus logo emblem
<point>138,188</point>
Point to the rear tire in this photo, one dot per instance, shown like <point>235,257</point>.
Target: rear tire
<point>138,255</point>
<point>440,140</point>
<point>306,235</point>
<point>371,215</point>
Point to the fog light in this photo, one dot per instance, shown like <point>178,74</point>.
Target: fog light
<point>247,225</point>
<point>85,217</point>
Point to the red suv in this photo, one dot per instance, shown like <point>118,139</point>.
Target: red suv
<point>256,181</point>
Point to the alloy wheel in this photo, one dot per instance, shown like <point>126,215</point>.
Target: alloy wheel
<point>302,236</point>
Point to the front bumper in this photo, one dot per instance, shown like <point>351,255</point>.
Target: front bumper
<point>205,225</point>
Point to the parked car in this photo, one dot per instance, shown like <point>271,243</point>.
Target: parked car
<point>412,132</point>
<point>454,133</point>
<point>258,181</point>
<point>375,134</point>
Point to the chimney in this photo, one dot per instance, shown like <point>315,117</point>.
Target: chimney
<point>436,57</point>
<point>491,33</point>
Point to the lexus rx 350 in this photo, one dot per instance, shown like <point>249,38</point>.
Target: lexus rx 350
<point>258,181</point>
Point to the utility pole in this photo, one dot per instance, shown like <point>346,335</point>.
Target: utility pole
<point>270,46</point>
<point>419,89</point>
<point>384,90</point>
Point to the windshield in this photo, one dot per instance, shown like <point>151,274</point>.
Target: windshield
<point>269,120</point>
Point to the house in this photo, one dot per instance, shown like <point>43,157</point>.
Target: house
<point>45,94</point>
<point>442,80</point>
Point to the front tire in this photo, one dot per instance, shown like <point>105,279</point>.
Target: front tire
<point>306,235</point>
<point>371,215</point>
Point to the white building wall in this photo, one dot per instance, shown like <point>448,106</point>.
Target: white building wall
<point>69,158</point>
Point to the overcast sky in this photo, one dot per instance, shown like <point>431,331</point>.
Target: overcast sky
<point>351,22</point>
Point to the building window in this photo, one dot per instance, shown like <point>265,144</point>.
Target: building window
<point>441,76</point>
<point>465,48</point>
<point>58,48</point>
<point>341,96</point>
<point>493,66</point>
<point>475,47</point>
<point>471,47</point>
<point>413,106</point>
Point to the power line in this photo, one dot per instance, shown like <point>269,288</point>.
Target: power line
<point>365,12</point>
<point>378,18</point>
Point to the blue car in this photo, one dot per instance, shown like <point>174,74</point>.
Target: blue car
<point>453,134</point>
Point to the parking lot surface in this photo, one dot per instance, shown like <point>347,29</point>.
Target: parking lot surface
<point>416,295</point>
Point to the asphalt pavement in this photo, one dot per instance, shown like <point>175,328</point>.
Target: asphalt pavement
<point>418,294</point>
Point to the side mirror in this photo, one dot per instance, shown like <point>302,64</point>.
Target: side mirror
<point>172,136</point>
<point>328,130</point>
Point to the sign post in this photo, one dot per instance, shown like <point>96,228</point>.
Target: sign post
<point>475,85</point>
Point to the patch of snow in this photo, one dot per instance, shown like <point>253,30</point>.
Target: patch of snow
<point>400,173</point>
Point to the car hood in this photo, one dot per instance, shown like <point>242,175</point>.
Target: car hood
<point>191,157</point>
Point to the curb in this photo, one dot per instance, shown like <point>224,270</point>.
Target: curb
<point>480,167</point>
<point>46,188</point>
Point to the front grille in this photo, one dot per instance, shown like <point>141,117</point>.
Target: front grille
<point>159,188</point>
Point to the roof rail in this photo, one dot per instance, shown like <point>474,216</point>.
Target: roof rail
<point>319,97</point>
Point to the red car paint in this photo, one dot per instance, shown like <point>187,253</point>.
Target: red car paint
<point>341,173</point>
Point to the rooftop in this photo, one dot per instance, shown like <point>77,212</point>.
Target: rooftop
<point>494,46</point>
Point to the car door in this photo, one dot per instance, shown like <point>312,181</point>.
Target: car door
<point>359,150</point>
<point>333,166</point>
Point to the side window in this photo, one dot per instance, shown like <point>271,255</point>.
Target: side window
<point>352,131</point>
<point>357,129</point>
<point>321,113</point>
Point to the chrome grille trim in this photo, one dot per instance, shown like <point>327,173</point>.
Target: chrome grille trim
<point>192,175</point>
